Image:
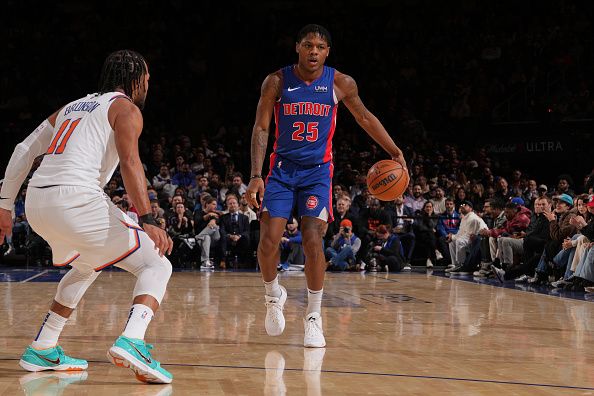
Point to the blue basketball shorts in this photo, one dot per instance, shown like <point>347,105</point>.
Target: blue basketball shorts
<point>290,185</point>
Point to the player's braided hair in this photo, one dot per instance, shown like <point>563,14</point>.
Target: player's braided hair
<point>122,69</point>
<point>316,29</point>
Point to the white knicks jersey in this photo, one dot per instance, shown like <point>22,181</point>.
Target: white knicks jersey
<point>82,151</point>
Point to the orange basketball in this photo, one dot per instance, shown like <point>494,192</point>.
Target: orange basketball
<point>387,180</point>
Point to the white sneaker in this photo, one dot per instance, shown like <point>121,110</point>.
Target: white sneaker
<point>561,282</point>
<point>275,320</point>
<point>438,255</point>
<point>499,273</point>
<point>429,263</point>
<point>362,266</point>
<point>522,279</point>
<point>9,251</point>
<point>314,335</point>
<point>450,268</point>
<point>207,265</point>
<point>406,268</point>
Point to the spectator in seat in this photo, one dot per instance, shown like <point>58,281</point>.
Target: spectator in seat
<point>527,245</point>
<point>439,201</point>
<point>237,187</point>
<point>174,201</point>
<point>124,206</point>
<point>560,228</point>
<point>244,209</point>
<point>360,202</point>
<point>207,224</point>
<point>344,247</point>
<point>403,220</point>
<point>152,168</point>
<point>369,219</point>
<point>460,196</point>
<point>291,247</point>
<point>448,225</point>
<point>530,194</point>
<point>343,205</point>
<point>162,182</point>
<point>416,201</point>
<point>200,187</point>
<point>156,210</point>
<point>502,190</point>
<point>470,226</point>
<point>235,233</point>
<point>179,223</point>
<point>425,227</point>
<point>564,183</point>
<point>517,219</point>
<point>185,177</point>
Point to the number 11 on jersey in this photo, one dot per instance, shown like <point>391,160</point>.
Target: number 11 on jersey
<point>54,148</point>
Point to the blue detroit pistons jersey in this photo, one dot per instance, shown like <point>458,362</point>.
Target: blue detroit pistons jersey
<point>305,118</point>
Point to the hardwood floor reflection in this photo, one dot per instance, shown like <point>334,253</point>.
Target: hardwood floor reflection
<point>386,334</point>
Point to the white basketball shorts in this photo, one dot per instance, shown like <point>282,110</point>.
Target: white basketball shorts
<point>83,227</point>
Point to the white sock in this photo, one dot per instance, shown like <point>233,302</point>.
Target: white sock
<point>272,288</point>
<point>50,331</point>
<point>138,320</point>
<point>314,301</point>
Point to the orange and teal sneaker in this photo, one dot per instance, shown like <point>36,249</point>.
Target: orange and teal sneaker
<point>135,354</point>
<point>50,359</point>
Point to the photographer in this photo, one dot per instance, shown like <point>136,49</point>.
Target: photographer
<point>344,247</point>
<point>385,250</point>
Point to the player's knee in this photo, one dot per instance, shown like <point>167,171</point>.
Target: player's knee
<point>267,246</point>
<point>153,279</point>
<point>312,241</point>
<point>162,269</point>
<point>73,286</point>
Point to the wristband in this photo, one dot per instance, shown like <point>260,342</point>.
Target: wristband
<point>148,219</point>
<point>255,177</point>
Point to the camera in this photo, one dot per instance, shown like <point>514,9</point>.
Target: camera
<point>347,230</point>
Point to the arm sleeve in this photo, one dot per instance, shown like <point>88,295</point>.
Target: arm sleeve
<point>21,160</point>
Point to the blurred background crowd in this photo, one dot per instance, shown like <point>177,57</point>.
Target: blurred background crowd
<point>490,102</point>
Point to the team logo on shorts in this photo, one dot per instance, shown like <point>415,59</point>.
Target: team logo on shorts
<point>312,202</point>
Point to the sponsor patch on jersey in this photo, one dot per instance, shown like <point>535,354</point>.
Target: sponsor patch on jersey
<point>312,202</point>
<point>321,88</point>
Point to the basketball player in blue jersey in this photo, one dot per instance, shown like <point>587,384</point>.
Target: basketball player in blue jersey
<point>304,100</point>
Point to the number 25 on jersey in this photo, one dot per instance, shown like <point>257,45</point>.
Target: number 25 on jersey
<point>311,135</point>
<point>54,148</point>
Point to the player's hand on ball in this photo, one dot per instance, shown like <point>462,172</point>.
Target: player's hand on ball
<point>400,159</point>
<point>255,188</point>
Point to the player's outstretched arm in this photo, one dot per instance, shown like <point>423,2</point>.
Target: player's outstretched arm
<point>349,94</point>
<point>270,91</point>
<point>18,168</point>
<point>126,121</point>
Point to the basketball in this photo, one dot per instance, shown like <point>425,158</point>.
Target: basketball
<point>387,180</point>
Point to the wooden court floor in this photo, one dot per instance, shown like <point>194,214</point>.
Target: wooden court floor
<point>396,334</point>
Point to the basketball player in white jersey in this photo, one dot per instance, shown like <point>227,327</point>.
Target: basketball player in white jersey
<point>83,143</point>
